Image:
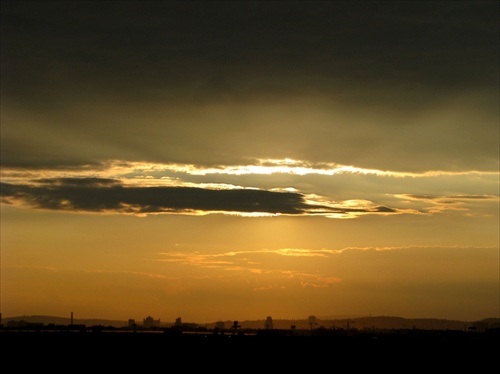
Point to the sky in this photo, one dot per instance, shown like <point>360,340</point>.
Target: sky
<point>236,160</point>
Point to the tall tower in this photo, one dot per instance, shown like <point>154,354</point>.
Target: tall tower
<point>71,318</point>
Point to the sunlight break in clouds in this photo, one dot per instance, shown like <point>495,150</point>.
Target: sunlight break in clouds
<point>137,172</point>
<point>150,188</point>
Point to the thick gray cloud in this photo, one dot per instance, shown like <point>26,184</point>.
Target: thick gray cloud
<point>125,46</point>
<point>389,85</point>
<point>107,195</point>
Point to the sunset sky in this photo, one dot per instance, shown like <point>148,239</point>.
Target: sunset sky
<point>237,160</point>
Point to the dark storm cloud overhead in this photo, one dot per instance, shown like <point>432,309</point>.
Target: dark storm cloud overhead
<point>106,195</point>
<point>132,47</point>
<point>410,86</point>
<point>26,154</point>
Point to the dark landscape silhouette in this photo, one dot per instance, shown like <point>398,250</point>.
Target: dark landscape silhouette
<point>305,345</point>
<point>381,328</point>
<point>306,324</point>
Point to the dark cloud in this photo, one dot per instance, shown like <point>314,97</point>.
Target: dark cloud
<point>79,182</point>
<point>450,197</point>
<point>472,197</point>
<point>376,84</point>
<point>99,195</point>
<point>107,195</point>
<point>22,153</point>
<point>217,89</point>
<point>384,209</point>
<point>423,197</point>
<point>135,47</point>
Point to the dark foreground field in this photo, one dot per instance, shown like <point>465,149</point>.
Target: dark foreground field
<point>270,352</point>
<point>405,343</point>
<point>256,337</point>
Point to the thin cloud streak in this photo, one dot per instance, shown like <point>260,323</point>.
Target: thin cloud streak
<point>91,271</point>
<point>240,262</point>
<point>197,258</point>
<point>127,170</point>
<point>262,262</point>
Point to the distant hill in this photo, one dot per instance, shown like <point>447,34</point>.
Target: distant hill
<point>46,320</point>
<point>359,323</point>
<point>363,323</point>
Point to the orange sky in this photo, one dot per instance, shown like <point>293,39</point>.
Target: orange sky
<point>233,161</point>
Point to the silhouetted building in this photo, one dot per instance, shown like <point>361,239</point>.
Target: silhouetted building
<point>150,322</point>
<point>236,327</point>
<point>268,325</point>
<point>312,321</point>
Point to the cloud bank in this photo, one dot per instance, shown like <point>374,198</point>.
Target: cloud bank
<point>111,196</point>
